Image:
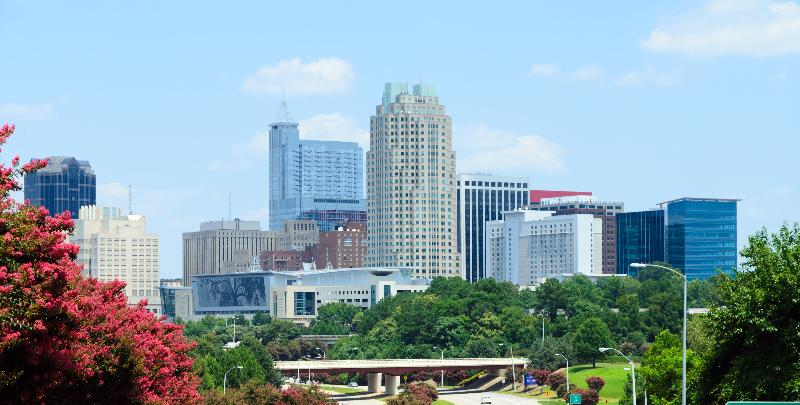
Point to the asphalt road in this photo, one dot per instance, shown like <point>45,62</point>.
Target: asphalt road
<point>472,397</point>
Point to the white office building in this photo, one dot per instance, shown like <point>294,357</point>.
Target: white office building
<point>114,246</point>
<point>526,247</point>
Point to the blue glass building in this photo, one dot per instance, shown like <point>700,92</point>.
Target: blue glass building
<point>640,238</point>
<point>701,235</point>
<point>65,184</point>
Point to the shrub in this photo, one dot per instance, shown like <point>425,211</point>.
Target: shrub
<point>595,383</point>
<point>416,393</point>
<point>541,376</point>
<point>555,380</point>
<point>254,392</point>
<point>588,397</point>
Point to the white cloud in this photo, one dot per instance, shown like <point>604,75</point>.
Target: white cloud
<point>646,76</point>
<point>326,75</point>
<point>745,27</point>
<point>334,127</point>
<point>587,73</point>
<point>14,111</point>
<point>544,70</point>
<point>488,150</point>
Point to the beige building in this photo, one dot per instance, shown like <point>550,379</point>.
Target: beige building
<point>411,185</point>
<point>224,247</point>
<point>117,247</point>
<point>297,234</point>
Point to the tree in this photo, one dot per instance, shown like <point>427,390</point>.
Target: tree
<point>757,350</point>
<point>591,335</point>
<point>662,368</point>
<point>595,383</point>
<point>255,393</point>
<point>543,357</point>
<point>65,338</point>
<point>261,318</point>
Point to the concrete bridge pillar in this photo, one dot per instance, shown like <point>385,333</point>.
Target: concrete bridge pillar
<point>374,383</point>
<point>392,383</point>
<point>498,372</point>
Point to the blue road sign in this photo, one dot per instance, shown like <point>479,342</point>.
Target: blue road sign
<point>529,380</point>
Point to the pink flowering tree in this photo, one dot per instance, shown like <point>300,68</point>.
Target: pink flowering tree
<point>65,338</point>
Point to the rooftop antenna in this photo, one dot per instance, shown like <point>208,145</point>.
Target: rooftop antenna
<point>283,112</point>
<point>130,200</point>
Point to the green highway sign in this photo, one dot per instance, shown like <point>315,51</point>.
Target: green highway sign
<point>574,399</point>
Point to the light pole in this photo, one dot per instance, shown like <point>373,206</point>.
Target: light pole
<point>542,329</point>
<point>513,373</point>
<point>567,360</point>
<point>225,378</point>
<point>441,383</point>
<point>633,369</point>
<point>685,311</point>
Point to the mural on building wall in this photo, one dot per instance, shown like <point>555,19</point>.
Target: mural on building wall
<point>246,291</point>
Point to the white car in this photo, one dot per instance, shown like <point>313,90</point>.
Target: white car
<point>353,384</point>
<point>486,400</point>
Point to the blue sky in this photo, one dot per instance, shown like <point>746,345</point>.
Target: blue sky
<point>637,101</point>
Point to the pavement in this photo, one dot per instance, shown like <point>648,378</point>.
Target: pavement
<point>457,396</point>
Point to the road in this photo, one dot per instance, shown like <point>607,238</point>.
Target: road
<point>458,397</point>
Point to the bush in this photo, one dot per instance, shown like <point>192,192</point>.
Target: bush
<point>555,380</point>
<point>254,392</point>
<point>588,397</point>
<point>540,376</point>
<point>595,383</point>
<point>416,393</point>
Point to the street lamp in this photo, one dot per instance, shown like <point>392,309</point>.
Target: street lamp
<point>513,373</point>
<point>685,311</point>
<point>633,369</point>
<point>441,383</point>
<point>567,360</point>
<point>225,378</point>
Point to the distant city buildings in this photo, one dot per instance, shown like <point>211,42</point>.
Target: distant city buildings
<point>345,247</point>
<point>640,238</point>
<point>538,195</point>
<point>411,184</point>
<point>320,180</point>
<point>526,246</point>
<point>701,235</point>
<point>583,204</point>
<point>482,198</point>
<point>114,246</point>
<point>224,247</point>
<point>65,184</point>
<point>297,234</point>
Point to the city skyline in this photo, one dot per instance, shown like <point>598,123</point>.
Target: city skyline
<point>662,121</point>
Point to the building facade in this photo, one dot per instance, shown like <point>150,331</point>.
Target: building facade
<point>286,260</point>
<point>298,234</point>
<point>296,296</point>
<point>526,246</point>
<point>481,198</point>
<point>411,199</point>
<point>538,195</point>
<point>640,238</point>
<point>701,236</point>
<point>311,176</point>
<point>582,204</point>
<point>118,247</point>
<point>343,248</point>
<point>329,220</point>
<point>65,184</point>
<point>224,247</point>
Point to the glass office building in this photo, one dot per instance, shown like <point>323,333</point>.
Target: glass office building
<point>640,238</point>
<point>701,235</point>
<point>65,184</point>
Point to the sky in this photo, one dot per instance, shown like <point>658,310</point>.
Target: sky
<point>637,101</point>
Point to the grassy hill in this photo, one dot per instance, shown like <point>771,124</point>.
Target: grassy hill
<point>614,374</point>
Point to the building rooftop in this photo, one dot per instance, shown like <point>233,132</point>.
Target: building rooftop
<point>700,199</point>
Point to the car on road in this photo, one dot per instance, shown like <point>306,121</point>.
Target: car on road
<point>487,400</point>
<point>353,384</point>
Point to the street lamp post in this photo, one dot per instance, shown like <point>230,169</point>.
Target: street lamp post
<point>567,360</point>
<point>685,311</point>
<point>513,372</point>
<point>633,369</point>
<point>225,378</point>
<point>441,382</point>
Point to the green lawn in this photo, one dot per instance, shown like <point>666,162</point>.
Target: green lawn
<point>613,373</point>
<point>341,390</point>
<point>442,402</point>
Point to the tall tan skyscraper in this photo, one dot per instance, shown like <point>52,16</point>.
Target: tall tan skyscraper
<point>411,185</point>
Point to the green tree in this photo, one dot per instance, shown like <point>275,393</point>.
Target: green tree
<point>591,335</point>
<point>261,318</point>
<point>662,368</point>
<point>757,327</point>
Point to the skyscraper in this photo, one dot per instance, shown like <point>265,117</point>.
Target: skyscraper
<point>65,184</point>
<point>640,238</point>
<point>701,235</point>
<point>114,246</point>
<point>308,177</point>
<point>583,204</point>
<point>411,198</point>
<point>481,198</point>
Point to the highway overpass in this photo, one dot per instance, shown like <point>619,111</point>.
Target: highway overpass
<point>393,368</point>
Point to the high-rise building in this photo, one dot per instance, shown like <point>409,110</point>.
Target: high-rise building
<point>640,238</point>
<point>701,235</point>
<point>117,247</point>
<point>538,195</point>
<point>224,247</point>
<point>65,184</point>
<point>411,198</point>
<point>582,204</point>
<point>481,198</point>
<point>526,247</point>
<point>312,176</point>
